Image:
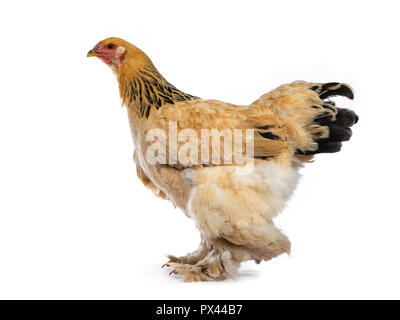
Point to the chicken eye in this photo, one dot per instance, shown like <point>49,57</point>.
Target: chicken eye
<point>110,46</point>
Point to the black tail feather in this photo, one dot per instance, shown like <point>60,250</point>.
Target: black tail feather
<point>346,118</point>
<point>337,133</point>
<point>328,147</point>
<point>330,89</point>
<point>339,124</point>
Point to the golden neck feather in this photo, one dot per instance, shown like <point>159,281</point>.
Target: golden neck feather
<point>144,89</point>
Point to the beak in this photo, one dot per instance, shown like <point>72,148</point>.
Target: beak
<point>92,53</point>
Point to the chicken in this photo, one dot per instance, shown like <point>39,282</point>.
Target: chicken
<point>232,202</point>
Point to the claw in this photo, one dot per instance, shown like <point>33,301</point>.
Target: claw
<point>173,272</point>
<point>166,264</point>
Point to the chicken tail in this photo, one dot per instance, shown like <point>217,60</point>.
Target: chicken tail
<point>332,126</point>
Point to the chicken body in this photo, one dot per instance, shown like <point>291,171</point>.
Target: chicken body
<point>232,210</point>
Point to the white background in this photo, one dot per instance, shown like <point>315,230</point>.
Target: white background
<point>75,221</point>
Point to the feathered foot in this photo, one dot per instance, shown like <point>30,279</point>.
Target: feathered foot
<point>214,266</point>
<point>191,258</point>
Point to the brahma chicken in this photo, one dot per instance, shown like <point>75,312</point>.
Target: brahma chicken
<point>232,208</point>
